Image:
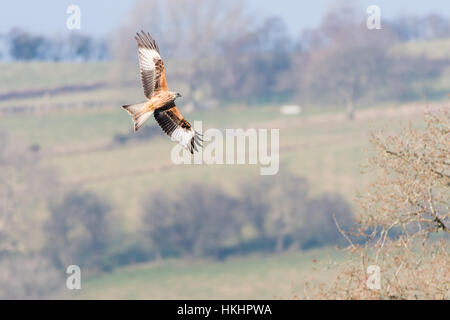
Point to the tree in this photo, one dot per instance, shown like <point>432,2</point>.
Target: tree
<point>198,222</point>
<point>189,34</point>
<point>319,228</point>
<point>345,61</point>
<point>287,195</point>
<point>404,218</point>
<point>431,26</point>
<point>414,184</point>
<point>281,208</point>
<point>24,185</point>
<point>78,230</point>
<point>254,63</point>
<point>28,277</point>
<point>26,47</point>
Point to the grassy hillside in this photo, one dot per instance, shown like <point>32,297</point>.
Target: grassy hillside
<point>322,146</point>
<point>23,76</point>
<point>75,134</point>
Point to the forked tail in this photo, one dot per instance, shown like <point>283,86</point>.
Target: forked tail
<point>139,113</point>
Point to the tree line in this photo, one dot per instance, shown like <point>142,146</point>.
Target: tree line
<point>219,54</point>
<point>202,221</point>
<point>21,45</point>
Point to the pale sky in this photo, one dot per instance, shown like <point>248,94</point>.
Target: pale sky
<point>99,17</point>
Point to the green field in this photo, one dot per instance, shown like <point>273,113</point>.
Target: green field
<point>75,134</point>
<point>254,277</point>
<point>319,144</point>
<point>79,145</point>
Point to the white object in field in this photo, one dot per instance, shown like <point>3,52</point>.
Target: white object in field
<point>291,109</point>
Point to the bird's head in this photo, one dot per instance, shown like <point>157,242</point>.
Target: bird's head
<point>175,95</point>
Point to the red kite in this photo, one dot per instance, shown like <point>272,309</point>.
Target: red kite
<point>161,101</point>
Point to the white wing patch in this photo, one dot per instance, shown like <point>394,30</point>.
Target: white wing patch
<point>147,64</point>
<point>150,63</point>
<point>183,136</point>
<point>178,129</point>
<point>148,58</point>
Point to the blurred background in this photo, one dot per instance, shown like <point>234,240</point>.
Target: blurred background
<point>78,187</point>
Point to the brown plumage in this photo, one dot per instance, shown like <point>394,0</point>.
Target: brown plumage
<point>160,101</point>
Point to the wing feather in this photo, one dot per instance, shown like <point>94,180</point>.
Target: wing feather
<point>174,125</point>
<point>150,64</point>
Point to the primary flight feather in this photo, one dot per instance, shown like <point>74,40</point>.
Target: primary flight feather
<point>160,101</point>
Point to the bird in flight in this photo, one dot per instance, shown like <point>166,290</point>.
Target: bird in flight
<point>160,101</point>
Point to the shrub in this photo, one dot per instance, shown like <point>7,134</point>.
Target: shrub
<point>78,229</point>
<point>269,215</point>
<point>197,222</point>
<point>280,208</point>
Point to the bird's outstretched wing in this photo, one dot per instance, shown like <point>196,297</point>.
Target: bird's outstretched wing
<point>173,123</point>
<point>153,75</point>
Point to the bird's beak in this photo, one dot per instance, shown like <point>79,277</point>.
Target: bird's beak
<point>178,95</point>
